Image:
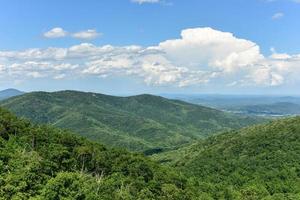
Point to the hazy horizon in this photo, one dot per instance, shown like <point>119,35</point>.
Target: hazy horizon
<point>162,94</point>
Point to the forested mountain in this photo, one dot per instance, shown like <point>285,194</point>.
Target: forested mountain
<point>259,162</point>
<point>43,163</point>
<point>40,162</point>
<point>5,94</point>
<point>136,123</point>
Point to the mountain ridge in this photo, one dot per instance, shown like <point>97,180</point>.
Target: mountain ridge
<point>138,122</point>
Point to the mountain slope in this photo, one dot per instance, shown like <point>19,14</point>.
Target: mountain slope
<point>40,162</point>
<point>5,94</point>
<point>260,162</point>
<point>137,123</point>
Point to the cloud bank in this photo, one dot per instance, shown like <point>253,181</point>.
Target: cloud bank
<point>201,56</point>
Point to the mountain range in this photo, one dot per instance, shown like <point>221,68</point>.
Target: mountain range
<point>257,105</point>
<point>137,123</point>
<point>275,109</point>
<point>42,162</point>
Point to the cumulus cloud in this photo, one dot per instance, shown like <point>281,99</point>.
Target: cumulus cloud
<point>278,15</point>
<point>201,56</point>
<point>86,35</point>
<point>56,33</point>
<point>145,1</point>
<point>207,47</point>
<point>265,76</point>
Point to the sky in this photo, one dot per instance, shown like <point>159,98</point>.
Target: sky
<point>151,46</point>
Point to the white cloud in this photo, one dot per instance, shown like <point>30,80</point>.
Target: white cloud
<point>145,1</point>
<point>56,33</point>
<point>265,76</point>
<point>280,56</point>
<point>87,34</point>
<point>36,54</point>
<point>278,15</point>
<point>202,47</point>
<point>201,56</point>
<point>82,35</point>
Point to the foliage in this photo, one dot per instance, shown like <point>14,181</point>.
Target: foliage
<point>137,123</point>
<point>40,162</point>
<point>259,162</point>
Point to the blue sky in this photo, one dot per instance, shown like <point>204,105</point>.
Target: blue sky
<point>127,47</point>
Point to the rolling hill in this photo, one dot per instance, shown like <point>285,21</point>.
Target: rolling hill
<point>41,162</point>
<point>259,162</point>
<point>137,123</point>
<point>5,94</point>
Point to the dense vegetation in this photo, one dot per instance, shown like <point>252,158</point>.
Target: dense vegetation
<point>137,123</point>
<point>40,162</point>
<point>259,162</point>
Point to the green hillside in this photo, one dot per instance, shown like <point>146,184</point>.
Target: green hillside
<point>259,162</point>
<point>38,162</point>
<point>136,123</point>
<point>43,163</point>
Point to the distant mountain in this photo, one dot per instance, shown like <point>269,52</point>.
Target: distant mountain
<point>246,104</point>
<point>5,94</point>
<point>280,108</point>
<point>259,162</point>
<point>137,123</point>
